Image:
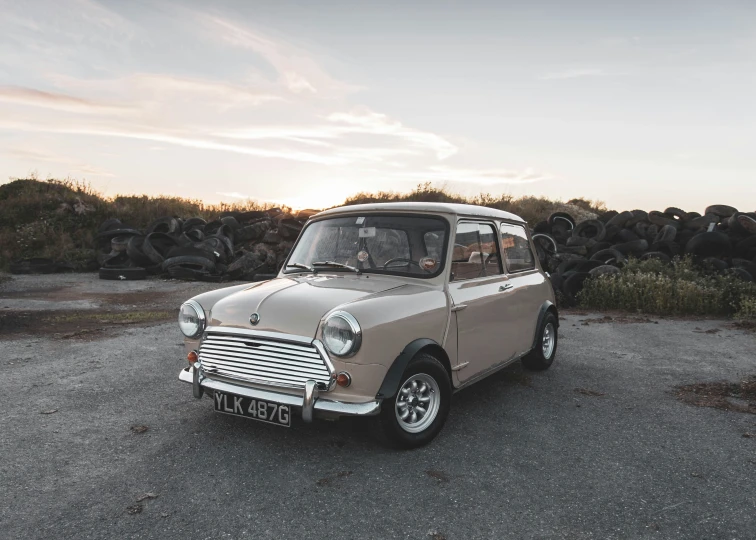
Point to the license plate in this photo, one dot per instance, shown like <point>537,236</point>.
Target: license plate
<point>256,409</point>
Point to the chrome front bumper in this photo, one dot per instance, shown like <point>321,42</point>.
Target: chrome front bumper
<point>311,403</point>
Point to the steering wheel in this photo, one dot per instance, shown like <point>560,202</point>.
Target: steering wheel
<point>408,261</point>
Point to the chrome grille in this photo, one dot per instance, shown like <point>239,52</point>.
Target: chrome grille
<point>263,360</point>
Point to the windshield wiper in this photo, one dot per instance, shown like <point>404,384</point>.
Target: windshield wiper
<point>300,265</point>
<point>337,264</point>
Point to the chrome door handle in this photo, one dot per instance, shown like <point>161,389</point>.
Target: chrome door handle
<point>505,287</point>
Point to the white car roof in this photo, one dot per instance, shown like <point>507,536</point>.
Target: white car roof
<point>429,207</point>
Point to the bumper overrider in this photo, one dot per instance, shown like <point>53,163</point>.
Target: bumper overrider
<point>229,360</point>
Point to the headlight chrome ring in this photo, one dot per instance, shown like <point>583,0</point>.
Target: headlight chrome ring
<point>354,328</point>
<point>200,315</point>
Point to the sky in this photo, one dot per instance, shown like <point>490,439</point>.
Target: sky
<point>638,104</point>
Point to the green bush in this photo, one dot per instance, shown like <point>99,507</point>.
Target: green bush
<point>677,289</point>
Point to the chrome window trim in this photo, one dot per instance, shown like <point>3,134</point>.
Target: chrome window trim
<point>496,227</point>
<point>530,248</point>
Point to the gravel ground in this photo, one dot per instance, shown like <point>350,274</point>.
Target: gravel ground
<point>596,447</point>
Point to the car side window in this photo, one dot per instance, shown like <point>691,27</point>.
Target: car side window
<point>515,247</point>
<point>475,252</point>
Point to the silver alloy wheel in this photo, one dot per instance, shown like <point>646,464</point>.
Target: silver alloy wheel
<point>417,403</point>
<point>549,339</point>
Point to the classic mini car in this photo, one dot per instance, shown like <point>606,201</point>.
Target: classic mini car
<point>380,310</point>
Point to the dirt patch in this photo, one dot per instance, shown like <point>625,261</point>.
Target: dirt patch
<point>438,475</point>
<point>81,323</point>
<point>748,326</point>
<point>620,319</point>
<point>586,392</point>
<point>328,480</point>
<point>723,395</point>
<point>68,293</point>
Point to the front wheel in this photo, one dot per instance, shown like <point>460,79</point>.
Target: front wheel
<point>416,414</point>
<point>542,356</point>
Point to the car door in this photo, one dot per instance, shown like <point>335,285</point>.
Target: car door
<point>478,288</point>
<point>528,285</point>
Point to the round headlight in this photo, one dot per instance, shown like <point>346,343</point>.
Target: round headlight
<point>191,319</point>
<point>342,334</point>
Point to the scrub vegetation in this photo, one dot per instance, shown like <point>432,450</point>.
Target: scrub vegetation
<point>58,219</point>
<point>680,288</point>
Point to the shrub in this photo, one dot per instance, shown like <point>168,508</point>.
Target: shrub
<point>676,289</point>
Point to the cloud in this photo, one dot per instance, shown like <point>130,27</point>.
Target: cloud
<point>297,71</point>
<point>572,73</point>
<point>233,194</point>
<point>487,177</point>
<point>73,165</point>
<point>60,102</point>
<point>385,136</point>
<point>180,139</point>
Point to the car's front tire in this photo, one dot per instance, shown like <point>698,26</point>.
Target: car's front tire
<point>542,356</point>
<point>416,414</point>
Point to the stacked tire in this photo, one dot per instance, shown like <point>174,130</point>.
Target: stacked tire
<point>250,246</point>
<point>722,240</point>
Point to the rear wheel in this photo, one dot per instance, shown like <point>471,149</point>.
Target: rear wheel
<point>416,414</point>
<point>542,356</point>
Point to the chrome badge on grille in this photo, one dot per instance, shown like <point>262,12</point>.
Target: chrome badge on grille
<point>254,319</point>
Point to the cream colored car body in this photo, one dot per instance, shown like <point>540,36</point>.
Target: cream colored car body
<point>473,326</point>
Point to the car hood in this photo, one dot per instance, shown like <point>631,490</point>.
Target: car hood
<point>295,305</point>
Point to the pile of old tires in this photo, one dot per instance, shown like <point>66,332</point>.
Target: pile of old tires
<point>721,240</point>
<point>249,246</point>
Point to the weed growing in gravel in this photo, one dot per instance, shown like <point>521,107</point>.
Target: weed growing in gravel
<point>676,289</point>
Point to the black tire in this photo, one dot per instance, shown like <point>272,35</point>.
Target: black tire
<point>636,247</point>
<point>619,220</point>
<point>536,360</point>
<point>573,284</point>
<point>709,244</point>
<point>562,218</point>
<point>660,219</point>
<point>666,234</point>
<point>670,249</point>
<point>542,227</point>
<point>120,243</point>
<point>721,210</point>
<point>675,213</point>
<point>198,263</point>
<point>603,270</point>
<point>194,223</point>
<point>609,256</point>
<point>109,224</point>
<point>166,225</point>
<point>591,228</point>
<point>701,222</point>
<point>639,216</point>
<point>624,236</point>
<point>391,428</point>
<point>748,222</point>
<point>123,274</point>
<point>156,246</point>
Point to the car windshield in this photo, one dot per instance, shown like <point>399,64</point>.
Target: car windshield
<point>383,244</point>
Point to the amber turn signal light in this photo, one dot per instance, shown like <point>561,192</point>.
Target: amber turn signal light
<point>192,357</point>
<point>344,379</point>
